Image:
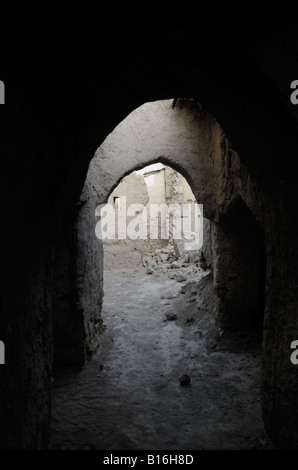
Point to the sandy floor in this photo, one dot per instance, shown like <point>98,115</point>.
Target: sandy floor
<point>129,396</point>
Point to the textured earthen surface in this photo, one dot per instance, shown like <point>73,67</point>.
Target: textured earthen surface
<point>129,396</point>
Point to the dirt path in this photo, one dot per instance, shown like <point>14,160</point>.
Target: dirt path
<point>129,396</point>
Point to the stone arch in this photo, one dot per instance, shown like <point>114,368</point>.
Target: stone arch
<point>186,138</point>
<point>234,178</point>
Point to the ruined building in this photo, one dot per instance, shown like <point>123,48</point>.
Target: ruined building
<point>165,189</point>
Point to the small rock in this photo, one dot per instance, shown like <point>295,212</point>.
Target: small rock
<point>174,265</point>
<point>171,296</point>
<point>199,333</point>
<point>170,315</point>
<point>180,277</point>
<point>190,320</point>
<point>149,271</point>
<point>184,380</point>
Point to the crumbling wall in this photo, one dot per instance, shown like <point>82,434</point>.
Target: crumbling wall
<point>167,187</point>
<point>158,186</point>
<point>179,192</point>
<point>127,253</point>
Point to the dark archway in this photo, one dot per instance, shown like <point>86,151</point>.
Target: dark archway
<point>142,353</point>
<point>241,280</point>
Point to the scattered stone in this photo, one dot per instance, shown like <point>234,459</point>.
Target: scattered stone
<point>184,380</point>
<point>199,333</point>
<point>174,265</point>
<point>170,315</point>
<point>180,277</point>
<point>171,296</point>
<point>150,271</point>
<point>150,262</point>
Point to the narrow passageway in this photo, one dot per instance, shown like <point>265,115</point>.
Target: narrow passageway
<point>169,294</point>
<point>128,396</point>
